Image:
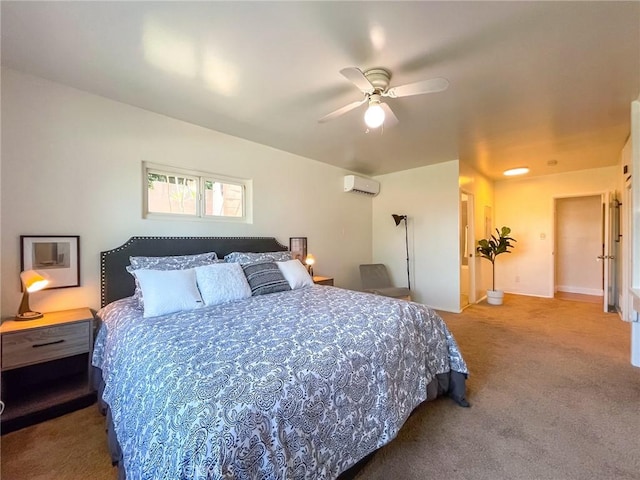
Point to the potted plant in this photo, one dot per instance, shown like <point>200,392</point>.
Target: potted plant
<point>490,248</point>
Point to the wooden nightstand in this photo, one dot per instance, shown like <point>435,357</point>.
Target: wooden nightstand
<point>46,367</point>
<point>323,280</point>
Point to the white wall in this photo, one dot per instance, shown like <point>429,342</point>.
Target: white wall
<point>71,164</point>
<point>635,188</point>
<point>1,236</point>
<point>635,230</point>
<point>626,242</point>
<point>526,205</point>
<point>429,196</point>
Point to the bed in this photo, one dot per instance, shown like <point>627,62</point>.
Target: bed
<point>300,383</point>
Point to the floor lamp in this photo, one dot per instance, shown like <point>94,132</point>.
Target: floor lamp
<point>398,219</point>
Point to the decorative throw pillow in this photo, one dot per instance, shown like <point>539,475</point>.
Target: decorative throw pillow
<point>265,278</point>
<point>222,282</point>
<point>251,257</point>
<point>295,274</point>
<point>168,291</point>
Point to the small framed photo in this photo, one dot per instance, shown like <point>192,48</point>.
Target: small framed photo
<point>298,248</point>
<point>57,258</point>
<point>488,222</point>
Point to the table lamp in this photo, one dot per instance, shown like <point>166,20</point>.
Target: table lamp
<point>32,281</point>
<point>310,260</point>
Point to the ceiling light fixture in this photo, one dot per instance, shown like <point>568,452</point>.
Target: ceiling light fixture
<point>516,171</point>
<point>374,116</point>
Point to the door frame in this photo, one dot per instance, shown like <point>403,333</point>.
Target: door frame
<point>604,237</point>
<point>471,242</point>
<point>626,217</point>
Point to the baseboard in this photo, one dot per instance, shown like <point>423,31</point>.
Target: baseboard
<point>534,295</point>
<point>598,292</point>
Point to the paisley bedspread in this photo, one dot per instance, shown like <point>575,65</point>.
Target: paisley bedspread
<point>292,385</point>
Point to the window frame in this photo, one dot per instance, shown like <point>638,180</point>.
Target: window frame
<point>201,178</point>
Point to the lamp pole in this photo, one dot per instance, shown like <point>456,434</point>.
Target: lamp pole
<point>406,243</point>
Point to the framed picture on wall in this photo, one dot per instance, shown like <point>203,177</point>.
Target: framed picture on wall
<point>57,258</point>
<point>298,248</point>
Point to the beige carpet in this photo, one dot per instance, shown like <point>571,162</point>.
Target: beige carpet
<point>553,398</point>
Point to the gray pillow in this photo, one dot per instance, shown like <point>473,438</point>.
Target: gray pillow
<point>264,278</point>
<point>175,262</point>
<point>251,257</point>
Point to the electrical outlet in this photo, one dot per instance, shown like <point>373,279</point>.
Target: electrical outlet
<point>517,278</point>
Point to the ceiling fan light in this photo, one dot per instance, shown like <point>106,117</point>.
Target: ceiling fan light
<point>374,116</point>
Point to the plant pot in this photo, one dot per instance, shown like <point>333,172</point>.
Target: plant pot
<point>495,297</point>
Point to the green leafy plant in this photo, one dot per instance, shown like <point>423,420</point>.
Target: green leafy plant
<point>490,248</point>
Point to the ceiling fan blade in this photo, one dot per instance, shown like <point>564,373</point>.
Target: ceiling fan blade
<point>390,118</point>
<point>355,76</point>
<point>342,111</point>
<point>432,85</point>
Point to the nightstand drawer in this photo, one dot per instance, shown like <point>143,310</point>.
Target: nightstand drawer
<point>39,345</point>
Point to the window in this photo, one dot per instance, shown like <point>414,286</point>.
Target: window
<point>170,191</point>
<point>223,199</point>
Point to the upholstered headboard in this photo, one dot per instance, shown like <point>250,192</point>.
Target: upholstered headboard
<point>116,282</point>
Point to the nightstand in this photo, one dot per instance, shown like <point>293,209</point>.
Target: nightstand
<point>46,367</point>
<point>323,280</point>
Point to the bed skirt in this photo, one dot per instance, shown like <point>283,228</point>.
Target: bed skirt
<point>452,384</point>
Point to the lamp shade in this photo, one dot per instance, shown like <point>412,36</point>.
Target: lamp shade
<point>398,218</point>
<point>33,281</point>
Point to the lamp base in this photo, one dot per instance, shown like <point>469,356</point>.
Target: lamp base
<point>29,316</point>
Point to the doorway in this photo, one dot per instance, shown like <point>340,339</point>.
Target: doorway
<point>466,247</point>
<point>584,263</point>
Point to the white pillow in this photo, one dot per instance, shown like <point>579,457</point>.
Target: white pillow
<point>222,282</point>
<point>168,291</point>
<point>295,273</point>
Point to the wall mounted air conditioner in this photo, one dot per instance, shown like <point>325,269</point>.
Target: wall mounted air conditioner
<point>355,184</point>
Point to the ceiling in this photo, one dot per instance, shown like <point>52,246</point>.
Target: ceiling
<point>531,83</point>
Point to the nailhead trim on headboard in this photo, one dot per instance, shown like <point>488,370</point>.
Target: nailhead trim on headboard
<point>113,262</point>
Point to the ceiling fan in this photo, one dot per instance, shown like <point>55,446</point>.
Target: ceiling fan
<point>374,83</point>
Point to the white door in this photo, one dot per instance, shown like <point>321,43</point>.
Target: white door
<point>611,251</point>
<point>606,248</point>
<point>471,244</point>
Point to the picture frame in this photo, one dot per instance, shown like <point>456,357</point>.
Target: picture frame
<point>488,222</point>
<point>55,257</point>
<point>298,248</point>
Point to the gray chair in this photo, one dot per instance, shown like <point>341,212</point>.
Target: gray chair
<point>375,279</point>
